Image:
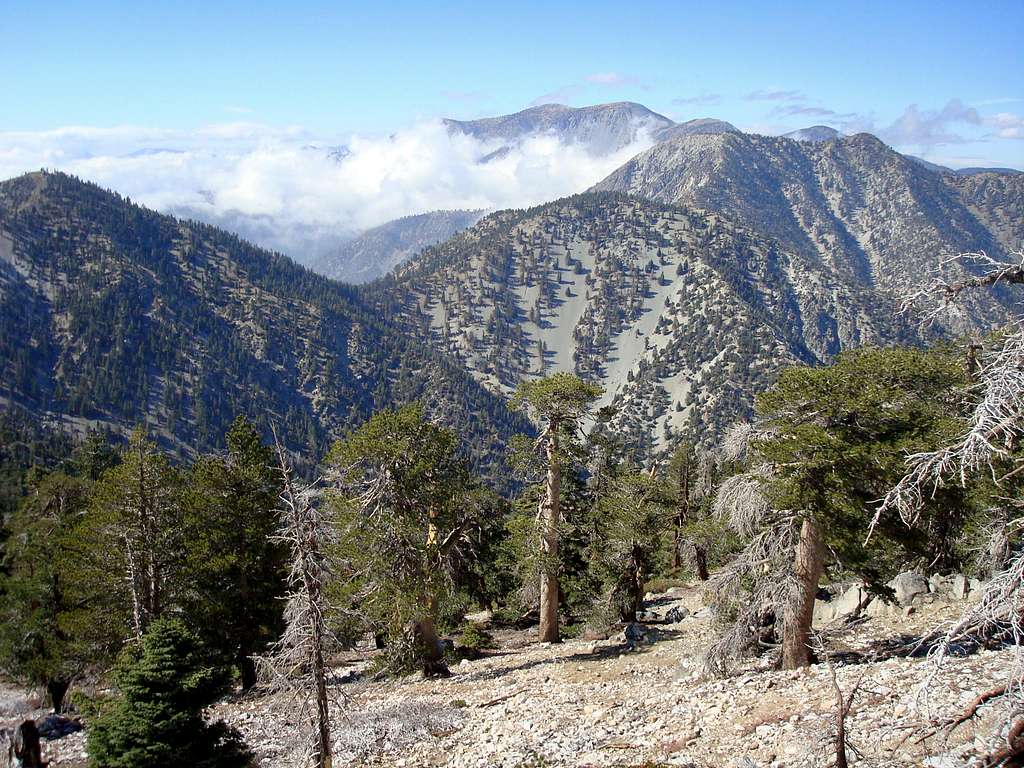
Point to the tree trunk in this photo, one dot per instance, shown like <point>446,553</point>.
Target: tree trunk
<point>700,562</point>
<point>425,635</point>
<point>550,514</point>
<point>57,690</point>
<point>636,588</point>
<point>25,747</point>
<point>677,543</point>
<point>304,525</point>
<point>809,564</point>
<point>247,669</point>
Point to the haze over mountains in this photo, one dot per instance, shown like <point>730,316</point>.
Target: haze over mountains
<point>380,249</point>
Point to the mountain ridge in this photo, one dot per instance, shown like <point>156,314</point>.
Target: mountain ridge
<point>113,315</point>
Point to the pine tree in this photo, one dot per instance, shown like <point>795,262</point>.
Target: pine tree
<point>34,645</point>
<point>164,685</point>
<point>629,521</point>
<point>235,567</point>
<point>406,505</point>
<point>130,545</point>
<point>828,443</point>
<point>558,402</point>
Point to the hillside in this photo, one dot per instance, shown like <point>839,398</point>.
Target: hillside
<point>113,315</point>
<point>680,314</point>
<point>851,203</point>
<point>379,250</point>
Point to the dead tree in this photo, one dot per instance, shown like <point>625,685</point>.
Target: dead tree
<point>990,445</point>
<point>843,706</point>
<point>296,662</point>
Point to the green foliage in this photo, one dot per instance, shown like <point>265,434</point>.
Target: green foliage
<point>475,637</point>
<point>838,438</point>
<point>127,564</point>
<point>520,560</point>
<point>234,567</point>
<point>164,686</point>
<point>34,594</point>
<point>629,521</point>
<point>411,517</point>
<point>471,642</point>
<point>559,397</point>
<point>700,541</point>
<point>181,325</point>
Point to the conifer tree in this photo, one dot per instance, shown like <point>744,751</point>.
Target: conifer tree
<point>406,506</point>
<point>557,403</point>
<point>630,519</point>
<point>34,645</point>
<point>130,543</point>
<point>164,684</point>
<point>235,566</point>
<point>828,443</point>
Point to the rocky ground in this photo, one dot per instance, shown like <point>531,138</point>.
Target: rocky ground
<point>641,702</point>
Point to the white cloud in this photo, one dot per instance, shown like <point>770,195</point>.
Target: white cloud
<point>929,128</point>
<point>775,95</point>
<point>281,187</point>
<point>1007,125</point>
<point>702,99</point>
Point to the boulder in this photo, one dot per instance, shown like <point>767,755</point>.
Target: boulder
<point>960,586</point>
<point>823,613</point>
<point>907,586</point>
<point>879,607</point>
<point>675,614</point>
<point>975,590</point>
<point>851,601</point>
<point>938,585</point>
<point>647,617</point>
<point>634,633</point>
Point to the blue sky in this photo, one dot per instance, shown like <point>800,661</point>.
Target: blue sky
<point>341,67</point>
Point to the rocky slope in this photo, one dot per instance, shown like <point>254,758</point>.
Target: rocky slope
<point>379,250</point>
<point>680,314</point>
<point>617,701</point>
<point>112,315</point>
<point>851,203</point>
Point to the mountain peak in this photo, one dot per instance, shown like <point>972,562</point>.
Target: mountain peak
<point>602,128</point>
<point>813,133</point>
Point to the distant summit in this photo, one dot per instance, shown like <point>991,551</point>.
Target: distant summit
<point>815,133</point>
<point>603,128</point>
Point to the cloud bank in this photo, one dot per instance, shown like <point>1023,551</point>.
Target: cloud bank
<point>302,194</point>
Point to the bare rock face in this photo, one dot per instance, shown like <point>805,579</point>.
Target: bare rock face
<point>908,586</point>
